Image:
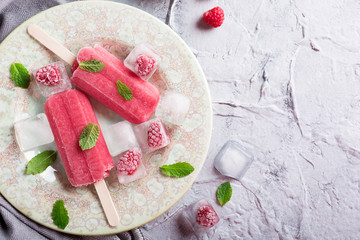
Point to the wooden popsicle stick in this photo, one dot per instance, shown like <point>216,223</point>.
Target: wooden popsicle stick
<point>107,203</point>
<point>51,44</point>
<point>67,56</point>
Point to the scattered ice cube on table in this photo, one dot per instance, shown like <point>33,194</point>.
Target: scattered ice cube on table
<point>119,137</point>
<point>33,132</point>
<point>52,79</point>
<point>202,217</point>
<point>233,160</point>
<point>130,166</point>
<point>151,135</point>
<point>173,107</point>
<point>143,61</point>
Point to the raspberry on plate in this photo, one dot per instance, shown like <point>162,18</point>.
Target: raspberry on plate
<point>52,79</point>
<point>144,65</point>
<point>48,75</point>
<point>151,135</point>
<point>143,61</point>
<point>130,166</point>
<point>155,137</point>
<point>206,216</point>
<point>214,17</point>
<point>129,162</point>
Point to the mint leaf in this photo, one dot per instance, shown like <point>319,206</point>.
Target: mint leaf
<point>224,193</point>
<point>177,170</point>
<point>89,136</point>
<point>20,75</point>
<point>92,65</point>
<point>124,91</point>
<point>40,162</point>
<point>60,215</point>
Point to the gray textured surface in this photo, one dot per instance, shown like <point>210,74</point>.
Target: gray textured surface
<point>285,80</point>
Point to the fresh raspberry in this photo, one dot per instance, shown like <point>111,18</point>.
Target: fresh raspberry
<point>155,136</point>
<point>214,17</point>
<point>129,162</point>
<point>144,65</point>
<point>206,216</point>
<point>48,75</point>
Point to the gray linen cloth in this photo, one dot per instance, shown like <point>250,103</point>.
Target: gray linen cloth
<point>13,224</point>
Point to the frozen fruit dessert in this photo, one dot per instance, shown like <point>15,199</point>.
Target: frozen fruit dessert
<point>68,113</point>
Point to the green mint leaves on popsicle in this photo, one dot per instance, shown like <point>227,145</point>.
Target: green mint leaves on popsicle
<point>40,162</point>
<point>60,215</point>
<point>178,170</point>
<point>89,136</point>
<point>92,65</point>
<point>224,193</point>
<point>20,75</point>
<point>124,91</point>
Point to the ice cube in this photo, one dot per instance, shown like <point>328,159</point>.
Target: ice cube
<point>52,79</point>
<point>233,160</point>
<point>202,217</point>
<point>33,132</point>
<point>143,61</point>
<point>125,171</point>
<point>151,135</point>
<point>173,107</point>
<point>119,137</point>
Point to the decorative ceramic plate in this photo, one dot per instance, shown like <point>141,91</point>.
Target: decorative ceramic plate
<point>118,28</point>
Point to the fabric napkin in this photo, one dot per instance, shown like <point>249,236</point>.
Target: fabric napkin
<point>14,225</point>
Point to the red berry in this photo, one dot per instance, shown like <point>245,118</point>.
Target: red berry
<point>206,216</point>
<point>48,75</point>
<point>214,17</point>
<point>144,65</point>
<point>155,136</point>
<point>129,162</point>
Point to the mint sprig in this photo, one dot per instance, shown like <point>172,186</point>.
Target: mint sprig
<point>92,65</point>
<point>40,162</point>
<point>124,91</point>
<point>60,215</point>
<point>224,193</point>
<point>178,170</point>
<point>20,75</point>
<point>89,136</point>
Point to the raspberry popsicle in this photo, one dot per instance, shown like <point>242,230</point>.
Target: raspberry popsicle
<point>68,113</point>
<point>102,86</point>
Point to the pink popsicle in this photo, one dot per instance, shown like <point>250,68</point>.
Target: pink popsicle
<point>68,113</point>
<point>102,86</point>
